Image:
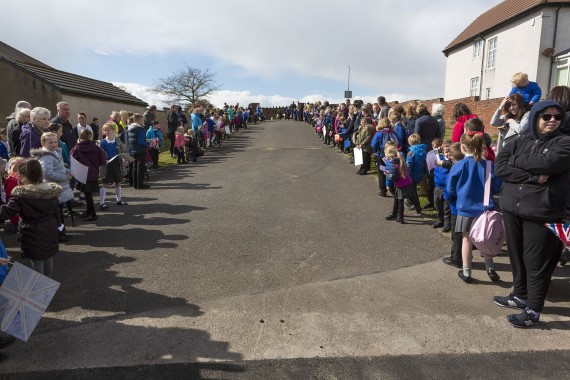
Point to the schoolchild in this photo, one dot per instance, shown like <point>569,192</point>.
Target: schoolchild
<point>200,136</point>
<point>530,91</point>
<point>442,166</point>
<point>328,124</point>
<point>383,134</point>
<point>399,175</point>
<point>416,162</point>
<point>431,158</point>
<point>112,173</point>
<point>476,125</point>
<point>58,130</point>
<point>37,204</point>
<point>4,144</point>
<point>319,124</point>
<point>399,129</point>
<point>363,138</point>
<point>154,135</point>
<point>454,259</point>
<point>466,188</point>
<point>9,184</point>
<point>344,135</point>
<point>179,142</point>
<point>90,155</point>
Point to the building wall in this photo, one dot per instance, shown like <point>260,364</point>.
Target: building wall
<point>562,43</point>
<point>17,85</point>
<point>98,108</point>
<point>518,46</point>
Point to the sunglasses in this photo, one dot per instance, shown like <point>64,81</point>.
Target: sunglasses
<point>548,116</point>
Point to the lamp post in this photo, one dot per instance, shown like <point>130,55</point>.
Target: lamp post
<point>348,93</point>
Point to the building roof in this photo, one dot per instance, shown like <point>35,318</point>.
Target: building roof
<point>500,14</point>
<point>64,81</point>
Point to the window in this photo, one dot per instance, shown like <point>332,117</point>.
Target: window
<point>491,53</point>
<point>474,87</point>
<point>563,71</point>
<point>488,93</point>
<point>477,49</point>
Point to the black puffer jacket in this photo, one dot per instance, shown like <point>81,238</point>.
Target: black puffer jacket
<point>38,207</point>
<point>522,161</point>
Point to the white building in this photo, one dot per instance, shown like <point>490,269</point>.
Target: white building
<point>530,36</point>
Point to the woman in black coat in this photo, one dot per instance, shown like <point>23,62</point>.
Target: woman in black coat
<point>536,171</point>
<point>37,203</point>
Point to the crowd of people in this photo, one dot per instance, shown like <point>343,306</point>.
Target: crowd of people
<point>527,166</point>
<point>40,152</point>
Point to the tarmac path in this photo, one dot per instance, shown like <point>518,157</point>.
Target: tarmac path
<point>271,258</point>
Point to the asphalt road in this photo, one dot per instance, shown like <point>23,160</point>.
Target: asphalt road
<point>271,258</point>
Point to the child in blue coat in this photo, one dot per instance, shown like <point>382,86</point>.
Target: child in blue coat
<point>454,259</point>
<point>416,162</point>
<point>466,188</point>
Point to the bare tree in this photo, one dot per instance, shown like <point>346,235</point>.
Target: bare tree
<point>187,86</point>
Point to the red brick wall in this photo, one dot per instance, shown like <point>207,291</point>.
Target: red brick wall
<point>482,108</point>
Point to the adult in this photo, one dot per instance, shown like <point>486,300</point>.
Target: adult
<point>32,131</point>
<point>294,110</point>
<point>15,131</point>
<point>137,146</point>
<point>437,111</point>
<point>172,125</point>
<point>561,95</point>
<point>149,116</point>
<point>511,118</point>
<point>182,117</point>
<point>536,173</point>
<point>426,126</point>
<point>196,117</point>
<point>411,117</point>
<point>384,107</point>
<point>82,124</point>
<point>14,123</point>
<point>95,128</point>
<point>63,114</point>
<point>461,113</point>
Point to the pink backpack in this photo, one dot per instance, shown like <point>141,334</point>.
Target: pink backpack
<point>488,231</point>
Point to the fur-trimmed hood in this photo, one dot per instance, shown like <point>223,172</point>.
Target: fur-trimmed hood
<point>45,190</point>
<point>40,152</point>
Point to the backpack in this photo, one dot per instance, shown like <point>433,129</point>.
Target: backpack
<point>388,136</point>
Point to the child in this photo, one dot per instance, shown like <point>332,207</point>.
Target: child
<point>466,187</point>
<point>36,202</point>
<point>200,137</point>
<point>58,130</point>
<point>179,142</point>
<point>154,135</point>
<point>9,184</point>
<point>399,175</point>
<point>4,144</point>
<point>396,119</point>
<point>416,162</point>
<point>383,134</point>
<point>530,91</point>
<point>454,259</point>
<point>476,125</point>
<point>442,166</point>
<point>90,155</point>
<point>431,158</point>
<point>111,173</point>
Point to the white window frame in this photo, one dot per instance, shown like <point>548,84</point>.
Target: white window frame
<point>477,49</point>
<point>474,88</point>
<point>566,64</point>
<point>487,93</point>
<point>492,53</point>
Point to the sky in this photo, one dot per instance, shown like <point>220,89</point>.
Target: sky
<point>260,50</point>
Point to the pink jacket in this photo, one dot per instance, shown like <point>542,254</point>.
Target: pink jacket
<point>179,140</point>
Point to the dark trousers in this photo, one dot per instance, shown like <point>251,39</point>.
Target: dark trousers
<point>456,241</point>
<point>154,156</point>
<point>534,251</point>
<point>414,199</point>
<point>136,170</point>
<point>430,186</point>
<point>90,205</point>
<point>398,209</point>
<point>171,137</point>
<point>381,175</point>
<point>180,155</point>
<point>366,160</point>
<point>442,207</point>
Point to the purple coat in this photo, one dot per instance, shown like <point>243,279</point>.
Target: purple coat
<point>29,139</point>
<point>90,155</point>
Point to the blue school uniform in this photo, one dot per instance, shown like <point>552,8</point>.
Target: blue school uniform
<point>416,161</point>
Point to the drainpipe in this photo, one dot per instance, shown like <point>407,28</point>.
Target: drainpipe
<point>553,46</point>
<point>482,66</point>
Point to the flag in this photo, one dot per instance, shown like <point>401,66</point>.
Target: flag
<point>561,230</point>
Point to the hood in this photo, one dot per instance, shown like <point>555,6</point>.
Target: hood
<point>420,147</point>
<point>565,126</point>
<point>536,109</point>
<point>45,190</point>
<point>11,117</point>
<point>41,152</point>
<point>464,118</point>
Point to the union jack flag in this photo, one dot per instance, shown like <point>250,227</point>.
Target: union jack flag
<point>561,230</point>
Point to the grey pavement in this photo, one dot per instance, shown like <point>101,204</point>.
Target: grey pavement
<point>271,258</point>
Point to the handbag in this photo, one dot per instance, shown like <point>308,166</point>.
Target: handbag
<point>488,231</point>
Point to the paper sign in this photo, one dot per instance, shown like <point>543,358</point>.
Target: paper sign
<point>358,159</point>
<point>125,156</point>
<point>24,298</point>
<point>78,170</point>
